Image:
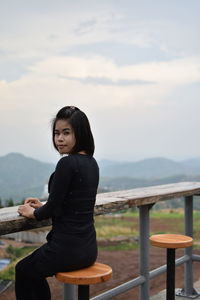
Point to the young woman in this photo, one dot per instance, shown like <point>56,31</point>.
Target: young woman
<point>71,244</point>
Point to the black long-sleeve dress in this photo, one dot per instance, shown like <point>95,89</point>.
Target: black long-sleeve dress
<point>71,244</point>
<point>73,188</point>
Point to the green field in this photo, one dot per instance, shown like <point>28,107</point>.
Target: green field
<point>126,224</point>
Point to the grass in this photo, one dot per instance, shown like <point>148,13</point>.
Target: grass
<point>157,214</point>
<point>110,226</point>
<point>169,214</point>
<point>119,247</point>
<point>108,231</point>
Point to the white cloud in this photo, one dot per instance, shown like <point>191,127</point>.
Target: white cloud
<point>178,71</point>
<point>56,81</point>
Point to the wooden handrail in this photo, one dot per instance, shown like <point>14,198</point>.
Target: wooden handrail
<point>110,202</point>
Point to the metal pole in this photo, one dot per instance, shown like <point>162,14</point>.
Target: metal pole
<point>188,284</point>
<point>188,290</point>
<point>69,291</point>
<point>144,250</point>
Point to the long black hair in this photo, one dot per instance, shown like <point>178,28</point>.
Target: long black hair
<point>81,127</point>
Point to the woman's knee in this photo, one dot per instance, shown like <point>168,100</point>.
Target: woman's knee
<point>23,268</point>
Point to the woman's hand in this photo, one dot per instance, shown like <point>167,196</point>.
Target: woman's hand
<point>26,211</point>
<point>33,202</point>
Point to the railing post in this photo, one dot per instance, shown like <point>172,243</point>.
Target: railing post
<point>188,290</point>
<point>144,250</point>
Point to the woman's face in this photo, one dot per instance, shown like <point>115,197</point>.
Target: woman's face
<point>64,137</point>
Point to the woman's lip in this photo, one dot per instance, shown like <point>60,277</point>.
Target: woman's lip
<point>61,146</point>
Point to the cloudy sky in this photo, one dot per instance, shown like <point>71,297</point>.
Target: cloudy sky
<point>132,66</point>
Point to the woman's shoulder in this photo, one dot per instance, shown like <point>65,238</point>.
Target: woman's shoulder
<point>73,159</point>
<point>69,160</point>
<point>84,158</point>
<point>64,161</point>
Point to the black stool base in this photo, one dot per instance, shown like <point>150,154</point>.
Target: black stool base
<point>170,274</point>
<point>83,292</point>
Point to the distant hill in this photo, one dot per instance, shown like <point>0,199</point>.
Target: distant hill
<point>152,168</point>
<point>192,165</point>
<point>124,183</point>
<point>22,176</point>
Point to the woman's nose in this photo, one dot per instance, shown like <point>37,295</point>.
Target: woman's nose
<point>60,137</point>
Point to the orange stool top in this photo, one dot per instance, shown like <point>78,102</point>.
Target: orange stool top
<point>171,241</point>
<point>94,274</point>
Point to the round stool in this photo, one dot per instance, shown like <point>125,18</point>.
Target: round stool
<point>171,242</point>
<point>84,277</point>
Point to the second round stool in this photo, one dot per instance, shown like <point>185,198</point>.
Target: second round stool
<point>171,242</point>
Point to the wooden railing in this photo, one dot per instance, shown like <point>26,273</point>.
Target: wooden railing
<point>144,199</point>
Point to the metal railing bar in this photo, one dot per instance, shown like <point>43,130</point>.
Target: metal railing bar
<point>120,289</point>
<point>195,257</point>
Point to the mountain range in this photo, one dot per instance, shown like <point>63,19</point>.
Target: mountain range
<point>150,168</point>
<point>22,176</point>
